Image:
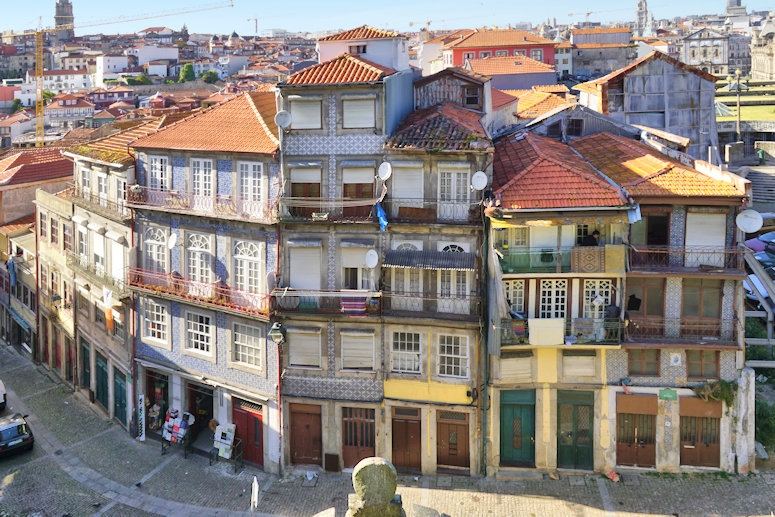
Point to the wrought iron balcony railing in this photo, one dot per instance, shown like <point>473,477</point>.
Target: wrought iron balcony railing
<point>581,331</point>
<point>96,273</point>
<point>352,302</point>
<point>682,331</point>
<point>420,305</point>
<point>363,210</point>
<point>215,205</point>
<point>708,259</point>
<point>99,203</point>
<point>215,295</point>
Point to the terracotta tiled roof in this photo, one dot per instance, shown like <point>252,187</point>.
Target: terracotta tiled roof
<point>501,98</point>
<point>115,148</point>
<point>645,172</point>
<point>18,224</point>
<point>535,104</point>
<point>32,165</point>
<point>508,65</point>
<point>361,33</point>
<point>244,124</point>
<point>500,38</point>
<point>551,88</point>
<point>451,37</point>
<point>445,127</point>
<point>344,69</point>
<point>535,172</point>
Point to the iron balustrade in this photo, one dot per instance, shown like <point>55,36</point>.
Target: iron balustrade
<point>96,273</point>
<point>597,331</point>
<point>420,304</point>
<point>98,202</point>
<point>686,330</point>
<point>697,258</point>
<point>355,302</point>
<point>218,205</point>
<point>216,295</point>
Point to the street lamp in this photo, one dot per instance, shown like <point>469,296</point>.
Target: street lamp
<point>277,333</point>
<point>733,83</point>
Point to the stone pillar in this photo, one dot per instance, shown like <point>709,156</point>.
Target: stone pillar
<point>375,481</point>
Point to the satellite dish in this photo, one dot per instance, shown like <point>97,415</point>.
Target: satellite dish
<point>479,180</point>
<point>749,221</point>
<point>372,258</point>
<point>384,171</point>
<point>282,119</point>
<point>271,282</point>
<point>172,240</point>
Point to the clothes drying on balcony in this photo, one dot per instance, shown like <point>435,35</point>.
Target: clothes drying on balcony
<point>354,306</point>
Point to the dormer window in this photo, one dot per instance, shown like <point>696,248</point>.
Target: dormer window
<point>357,49</point>
<point>472,97</point>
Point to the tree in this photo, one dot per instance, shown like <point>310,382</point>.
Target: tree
<point>187,73</point>
<point>210,77</point>
<point>47,96</point>
<point>140,79</point>
<point>16,105</point>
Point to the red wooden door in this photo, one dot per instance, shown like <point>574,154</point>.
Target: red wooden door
<point>357,435</point>
<point>306,435</point>
<point>248,419</point>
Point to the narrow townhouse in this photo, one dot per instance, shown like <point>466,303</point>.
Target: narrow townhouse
<point>206,242</point>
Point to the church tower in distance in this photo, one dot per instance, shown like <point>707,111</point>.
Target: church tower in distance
<point>63,18</point>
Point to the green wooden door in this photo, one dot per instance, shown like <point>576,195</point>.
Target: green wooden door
<point>517,426</point>
<point>119,396</point>
<point>575,418</point>
<point>101,386</point>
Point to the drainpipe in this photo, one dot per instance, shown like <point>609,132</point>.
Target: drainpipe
<point>485,356</point>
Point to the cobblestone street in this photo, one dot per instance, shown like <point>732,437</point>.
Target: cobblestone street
<point>84,465</point>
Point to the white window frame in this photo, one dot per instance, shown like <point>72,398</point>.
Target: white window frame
<point>155,250</point>
<point>158,172</point>
<point>86,182</point>
<point>155,323</point>
<point>102,189</point>
<point>553,298</point>
<point>357,350</point>
<point>306,113</point>
<point>202,177</point>
<point>304,349</point>
<point>248,266</point>
<point>515,292</point>
<point>199,332</point>
<point>537,54</point>
<point>98,253</point>
<point>251,190</point>
<point>248,346</point>
<point>404,359</point>
<point>592,289</point>
<point>453,353</point>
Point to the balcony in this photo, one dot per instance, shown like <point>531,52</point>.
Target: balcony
<point>353,302</point>
<point>211,295</point>
<point>225,206</point>
<point>569,331</point>
<point>420,306</point>
<point>416,211</point>
<point>96,274</point>
<point>576,259</point>
<point>100,204</point>
<point>680,259</point>
<point>682,331</point>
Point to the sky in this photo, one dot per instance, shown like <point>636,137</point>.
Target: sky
<point>213,16</point>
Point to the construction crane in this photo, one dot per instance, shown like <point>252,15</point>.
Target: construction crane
<point>588,13</point>
<point>256,21</point>
<point>39,37</point>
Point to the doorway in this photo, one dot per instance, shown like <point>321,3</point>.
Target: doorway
<point>306,435</point>
<point>248,417</point>
<point>452,449</point>
<point>517,429</point>
<point>406,439</point>
<point>357,435</point>
<point>575,416</point>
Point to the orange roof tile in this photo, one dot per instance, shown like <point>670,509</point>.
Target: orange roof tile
<point>509,65</point>
<point>500,38</point>
<point>451,37</point>
<point>645,172</point>
<point>361,33</point>
<point>501,98</point>
<point>115,148</point>
<point>526,164</point>
<point>30,165</point>
<point>535,104</point>
<point>616,74</point>
<point>446,126</point>
<point>345,69</point>
<point>551,88</point>
<point>244,124</point>
<point>24,222</point>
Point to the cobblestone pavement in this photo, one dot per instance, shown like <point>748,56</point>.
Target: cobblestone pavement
<point>85,465</point>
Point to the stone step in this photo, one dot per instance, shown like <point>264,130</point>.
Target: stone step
<point>515,474</point>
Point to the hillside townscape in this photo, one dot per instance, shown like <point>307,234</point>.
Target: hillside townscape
<point>486,255</point>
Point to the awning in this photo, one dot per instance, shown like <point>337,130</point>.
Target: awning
<point>17,317</point>
<point>449,260</point>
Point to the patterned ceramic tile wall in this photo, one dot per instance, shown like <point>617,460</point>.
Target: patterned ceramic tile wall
<point>225,176</point>
<point>673,306</point>
<point>179,173</point>
<point>670,375</point>
<point>677,226</point>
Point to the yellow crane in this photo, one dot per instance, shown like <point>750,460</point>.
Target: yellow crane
<point>39,37</point>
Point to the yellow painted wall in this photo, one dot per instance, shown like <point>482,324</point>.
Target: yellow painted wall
<point>546,359</point>
<point>427,391</point>
<point>615,258</point>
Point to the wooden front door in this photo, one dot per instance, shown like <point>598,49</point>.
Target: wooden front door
<point>357,435</point>
<point>407,444</point>
<point>248,418</point>
<point>575,415</point>
<point>517,435</point>
<point>306,435</point>
<point>452,448</point>
<point>636,440</point>
<point>700,441</point>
